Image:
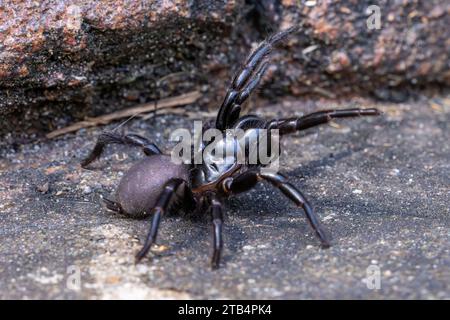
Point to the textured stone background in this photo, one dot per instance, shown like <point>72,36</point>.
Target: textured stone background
<point>63,60</point>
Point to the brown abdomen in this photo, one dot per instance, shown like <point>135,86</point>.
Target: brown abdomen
<point>143,183</point>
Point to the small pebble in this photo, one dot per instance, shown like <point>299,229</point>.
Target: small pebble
<point>310,3</point>
<point>394,172</point>
<point>44,188</point>
<point>87,190</point>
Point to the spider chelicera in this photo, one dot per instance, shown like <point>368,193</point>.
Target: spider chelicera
<point>156,184</point>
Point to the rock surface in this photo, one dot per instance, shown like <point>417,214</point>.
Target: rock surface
<point>380,185</point>
<point>64,60</point>
<point>409,48</point>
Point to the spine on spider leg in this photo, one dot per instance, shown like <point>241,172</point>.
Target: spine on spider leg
<point>260,54</point>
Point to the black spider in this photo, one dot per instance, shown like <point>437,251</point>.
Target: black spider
<point>152,185</point>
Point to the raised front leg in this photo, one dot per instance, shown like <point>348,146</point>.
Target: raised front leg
<point>291,125</point>
<point>247,79</point>
<point>106,138</point>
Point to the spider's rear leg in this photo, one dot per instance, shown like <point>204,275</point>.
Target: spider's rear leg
<point>248,180</point>
<point>107,138</point>
<point>161,206</point>
<point>291,125</point>
<point>113,206</point>
<point>116,207</point>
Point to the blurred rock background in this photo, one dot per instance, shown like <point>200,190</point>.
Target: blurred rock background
<point>64,60</point>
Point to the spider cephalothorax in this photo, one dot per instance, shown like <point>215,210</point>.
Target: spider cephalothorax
<point>152,185</point>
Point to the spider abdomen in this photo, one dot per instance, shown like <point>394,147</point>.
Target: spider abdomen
<point>143,183</point>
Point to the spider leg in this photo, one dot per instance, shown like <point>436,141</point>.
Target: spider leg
<point>290,191</point>
<point>241,183</point>
<point>113,138</point>
<point>161,206</point>
<point>116,207</point>
<point>248,180</point>
<point>291,125</point>
<point>113,206</point>
<point>217,222</point>
<point>247,79</point>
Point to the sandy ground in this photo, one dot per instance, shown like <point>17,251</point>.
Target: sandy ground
<point>380,185</point>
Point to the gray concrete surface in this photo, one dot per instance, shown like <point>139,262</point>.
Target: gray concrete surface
<point>380,185</point>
